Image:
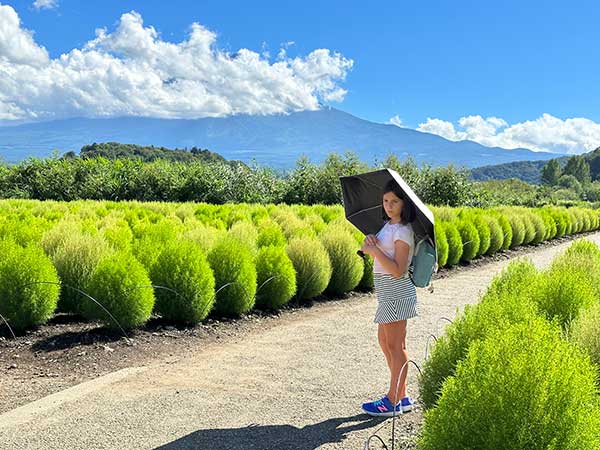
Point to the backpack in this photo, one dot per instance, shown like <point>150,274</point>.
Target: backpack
<point>423,263</point>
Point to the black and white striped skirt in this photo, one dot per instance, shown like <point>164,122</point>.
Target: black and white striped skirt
<point>396,298</point>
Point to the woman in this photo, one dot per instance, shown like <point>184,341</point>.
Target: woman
<point>392,250</point>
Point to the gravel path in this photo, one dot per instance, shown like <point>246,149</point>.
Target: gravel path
<point>297,385</point>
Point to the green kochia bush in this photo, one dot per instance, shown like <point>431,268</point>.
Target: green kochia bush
<point>496,234</point>
<point>470,239</point>
<point>518,229</point>
<point>75,259</point>
<point>276,277</point>
<point>367,282</point>
<point>441,243</point>
<point>483,230</point>
<point>182,267</point>
<point>507,231</point>
<point>497,310</point>
<point>23,302</point>
<point>521,388</point>
<point>121,284</point>
<point>455,245</point>
<point>347,266</point>
<point>235,277</point>
<point>312,264</point>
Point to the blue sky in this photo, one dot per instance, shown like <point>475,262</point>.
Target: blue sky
<point>512,73</point>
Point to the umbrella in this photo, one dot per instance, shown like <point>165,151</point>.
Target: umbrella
<point>363,195</point>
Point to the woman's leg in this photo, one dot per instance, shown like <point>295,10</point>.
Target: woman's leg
<point>383,344</point>
<point>395,337</point>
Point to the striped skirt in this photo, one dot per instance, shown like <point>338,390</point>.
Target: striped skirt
<point>396,298</point>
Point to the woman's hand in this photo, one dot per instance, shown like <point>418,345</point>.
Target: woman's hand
<point>369,249</point>
<point>371,239</point>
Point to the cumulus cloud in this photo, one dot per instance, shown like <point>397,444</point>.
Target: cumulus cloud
<point>546,133</point>
<point>45,4</point>
<point>396,120</point>
<point>132,71</point>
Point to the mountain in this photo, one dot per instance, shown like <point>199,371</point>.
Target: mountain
<point>276,140</point>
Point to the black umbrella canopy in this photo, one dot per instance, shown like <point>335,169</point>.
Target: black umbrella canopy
<point>363,195</point>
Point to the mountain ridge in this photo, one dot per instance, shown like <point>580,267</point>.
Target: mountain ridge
<point>275,140</point>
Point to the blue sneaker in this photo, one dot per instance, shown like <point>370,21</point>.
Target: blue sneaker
<point>382,408</point>
<point>406,404</point>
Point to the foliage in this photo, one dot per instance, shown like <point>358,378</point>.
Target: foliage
<point>276,277</point>
<point>121,284</point>
<point>25,298</point>
<point>521,388</point>
<point>182,268</point>
<point>312,265</point>
<point>235,277</point>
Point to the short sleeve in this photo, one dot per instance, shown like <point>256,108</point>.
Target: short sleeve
<point>404,234</point>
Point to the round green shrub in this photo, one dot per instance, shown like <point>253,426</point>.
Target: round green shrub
<point>441,243</point>
<point>233,265</point>
<point>182,267</point>
<point>121,284</point>
<point>117,233</point>
<point>529,228</point>
<point>75,260</point>
<point>245,232</point>
<point>270,233</point>
<point>517,226</point>
<point>347,266</point>
<point>367,283</point>
<point>496,235</point>
<point>276,277</point>
<point>455,245</point>
<point>539,227</point>
<point>470,239</point>
<point>23,302</point>
<point>506,393</point>
<point>312,265</point>
<point>497,310</point>
<point>484,234</point>
<point>561,221</point>
<point>549,224</point>
<point>507,232</point>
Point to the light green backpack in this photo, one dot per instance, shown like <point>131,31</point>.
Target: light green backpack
<point>424,263</point>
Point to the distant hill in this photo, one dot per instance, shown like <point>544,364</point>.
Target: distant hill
<point>114,150</point>
<point>276,140</point>
<point>531,171</point>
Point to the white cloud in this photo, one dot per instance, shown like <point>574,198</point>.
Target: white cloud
<point>45,4</point>
<point>396,120</point>
<point>132,71</point>
<point>546,133</point>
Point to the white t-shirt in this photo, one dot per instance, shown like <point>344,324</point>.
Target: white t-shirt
<point>388,235</point>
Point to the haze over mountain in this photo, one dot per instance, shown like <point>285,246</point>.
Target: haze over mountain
<point>274,140</point>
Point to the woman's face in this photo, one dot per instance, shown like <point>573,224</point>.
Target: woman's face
<point>392,205</point>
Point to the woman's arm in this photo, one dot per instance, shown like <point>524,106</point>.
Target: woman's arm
<point>397,266</point>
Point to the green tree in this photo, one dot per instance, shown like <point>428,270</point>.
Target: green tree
<point>579,168</point>
<point>551,173</point>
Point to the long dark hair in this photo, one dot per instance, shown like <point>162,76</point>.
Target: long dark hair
<point>409,212</point>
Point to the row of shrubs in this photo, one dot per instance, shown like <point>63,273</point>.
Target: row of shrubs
<point>186,261</point>
<point>519,370</point>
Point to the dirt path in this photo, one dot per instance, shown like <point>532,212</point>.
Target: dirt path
<point>297,385</point>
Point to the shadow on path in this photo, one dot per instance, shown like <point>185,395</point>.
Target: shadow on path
<point>274,437</point>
